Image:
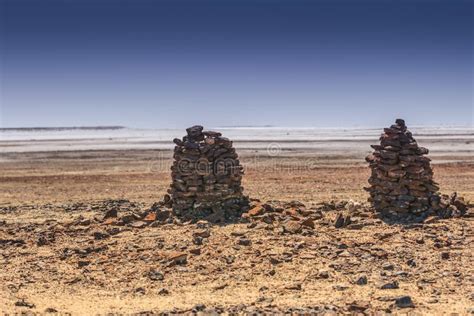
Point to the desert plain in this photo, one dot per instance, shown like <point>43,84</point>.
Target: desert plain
<point>58,255</point>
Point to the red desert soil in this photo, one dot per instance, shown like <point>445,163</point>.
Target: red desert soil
<point>58,254</point>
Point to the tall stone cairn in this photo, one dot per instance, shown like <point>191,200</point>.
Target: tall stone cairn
<point>401,182</point>
<point>206,177</point>
<point>402,178</point>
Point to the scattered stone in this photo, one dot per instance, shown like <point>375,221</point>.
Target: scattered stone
<point>294,286</point>
<point>178,258</point>
<point>51,310</point>
<point>388,266</point>
<point>83,263</point>
<point>404,302</point>
<point>163,292</point>
<point>358,307</point>
<point>112,213</point>
<point>45,238</point>
<point>340,287</point>
<point>229,259</point>
<point>155,275</point>
<point>150,217</point>
<point>308,222</point>
<point>98,235</point>
<point>199,308</point>
<point>342,221</point>
<point>24,303</point>
<point>195,251</point>
<point>244,241</point>
<point>140,291</point>
<point>445,255</point>
<point>220,286</point>
<point>361,280</point>
<point>256,210</point>
<point>237,233</point>
<point>390,286</point>
<point>139,224</point>
<point>85,222</point>
<point>113,231</point>
<point>12,242</point>
<point>323,274</point>
<point>292,227</point>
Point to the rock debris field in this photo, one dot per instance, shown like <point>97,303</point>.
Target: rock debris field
<point>280,257</point>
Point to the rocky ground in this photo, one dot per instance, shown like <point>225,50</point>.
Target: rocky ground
<point>120,256</point>
<point>81,234</point>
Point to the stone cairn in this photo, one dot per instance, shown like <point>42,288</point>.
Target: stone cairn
<point>401,182</point>
<point>206,177</point>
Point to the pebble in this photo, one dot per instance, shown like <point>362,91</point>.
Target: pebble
<point>140,291</point>
<point>24,303</point>
<point>195,251</point>
<point>244,241</point>
<point>99,235</point>
<point>163,291</point>
<point>390,285</point>
<point>388,266</point>
<point>323,274</point>
<point>404,302</point>
<point>340,287</point>
<point>155,275</point>
<point>361,280</point>
<point>292,227</point>
<point>445,255</point>
<point>83,263</point>
<point>294,286</point>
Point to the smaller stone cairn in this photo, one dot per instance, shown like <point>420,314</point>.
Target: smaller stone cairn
<point>401,182</point>
<point>206,177</point>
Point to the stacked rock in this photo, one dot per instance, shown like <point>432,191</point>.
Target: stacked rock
<point>402,178</point>
<point>206,177</point>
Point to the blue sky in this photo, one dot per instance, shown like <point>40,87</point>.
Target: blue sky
<point>174,63</point>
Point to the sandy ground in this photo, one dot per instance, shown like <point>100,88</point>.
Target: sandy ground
<point>52,260</point>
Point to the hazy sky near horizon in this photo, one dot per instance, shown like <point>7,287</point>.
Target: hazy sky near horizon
<point>174,63</point>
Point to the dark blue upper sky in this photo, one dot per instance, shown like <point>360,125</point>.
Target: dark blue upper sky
<point>146,63</point>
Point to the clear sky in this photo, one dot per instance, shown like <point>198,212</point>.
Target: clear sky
<point>162,64</point>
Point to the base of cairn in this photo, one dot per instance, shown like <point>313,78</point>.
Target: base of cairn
<point>206,175</point>
<point>401,182</point>
<point>216,212</point>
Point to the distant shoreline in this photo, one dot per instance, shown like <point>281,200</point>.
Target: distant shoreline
<point>28,129</point>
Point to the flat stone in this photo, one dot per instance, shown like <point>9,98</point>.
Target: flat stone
<point>389,286</point>
<point>292,227</point>
<point>404,302</point>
